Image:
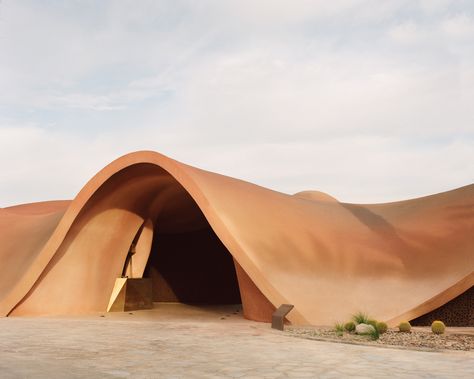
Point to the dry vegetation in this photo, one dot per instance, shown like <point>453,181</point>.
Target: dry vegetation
<point>418,338</point>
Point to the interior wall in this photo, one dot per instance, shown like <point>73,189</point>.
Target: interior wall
<point>192,267</point>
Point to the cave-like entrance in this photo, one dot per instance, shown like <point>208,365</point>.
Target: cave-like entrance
<point>179,251</point>
<point>192,267</point>
<point>184,259</point>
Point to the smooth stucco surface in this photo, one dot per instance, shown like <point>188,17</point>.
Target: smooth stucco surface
<point>330,259</point>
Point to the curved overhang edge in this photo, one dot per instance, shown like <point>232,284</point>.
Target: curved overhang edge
<point>436,301</point>
<point>178,171</point>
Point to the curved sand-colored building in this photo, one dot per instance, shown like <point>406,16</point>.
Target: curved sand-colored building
<point>207,238</point>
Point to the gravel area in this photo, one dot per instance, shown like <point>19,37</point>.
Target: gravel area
<point>416,339</point>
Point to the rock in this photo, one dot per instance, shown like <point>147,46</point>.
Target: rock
<point>417,339</point>
<point>364,329</point>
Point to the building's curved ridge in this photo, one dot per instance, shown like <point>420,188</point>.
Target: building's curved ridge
<point>293,250</point>
<point>30,279</point>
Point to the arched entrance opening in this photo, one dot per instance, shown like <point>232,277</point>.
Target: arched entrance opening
<point>192,267</point>
<point>179,251</point>
<point>176,248</point>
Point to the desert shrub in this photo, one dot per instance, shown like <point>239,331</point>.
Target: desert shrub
<point>360,318</point>
<point>404,327</point>
<point>339,329</point>
<point>381,327</point>
<point>374,334</point>
<point>438,327</point>
<point>349,326</point>
<point>372,322</point>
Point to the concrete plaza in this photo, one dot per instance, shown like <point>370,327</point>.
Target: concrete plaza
<point>175,341</point>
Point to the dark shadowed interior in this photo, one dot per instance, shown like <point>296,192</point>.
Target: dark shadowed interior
<point>457,312</point>
<point>187,263</point>
<point>192,267</point>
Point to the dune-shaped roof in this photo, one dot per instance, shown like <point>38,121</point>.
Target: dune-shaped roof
<point>328,258</point>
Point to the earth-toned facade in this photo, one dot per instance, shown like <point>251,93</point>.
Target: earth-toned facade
<point>206,238</point>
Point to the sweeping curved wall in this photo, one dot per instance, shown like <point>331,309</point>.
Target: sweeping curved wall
<point>330,259</point>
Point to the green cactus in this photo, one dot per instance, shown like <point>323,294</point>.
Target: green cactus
<point>381,327</point>
<point>438,327</point>
<point>404,327</point>
<point>349,326</point>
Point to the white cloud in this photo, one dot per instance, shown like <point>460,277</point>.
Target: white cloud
<point>362,99</point>
<point>409,33</point>
<point>435,6</point>
<point>460,26</point>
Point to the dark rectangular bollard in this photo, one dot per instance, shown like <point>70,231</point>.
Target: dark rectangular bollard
<point>278,317</point>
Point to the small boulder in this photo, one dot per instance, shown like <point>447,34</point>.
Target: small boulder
<point>364,329</point>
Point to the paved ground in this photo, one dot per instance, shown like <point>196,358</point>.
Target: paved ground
<point>177,342</point>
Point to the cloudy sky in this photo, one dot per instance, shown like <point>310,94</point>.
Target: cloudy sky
<point>369,101</point>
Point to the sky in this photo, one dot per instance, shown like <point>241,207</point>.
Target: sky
<point>369,101</point>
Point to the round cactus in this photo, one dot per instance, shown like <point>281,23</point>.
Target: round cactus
<point>349,326</point>
<point>372,322</point>
<point>438,327</point>
<point>404,327</point>
<point>381,327</point>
